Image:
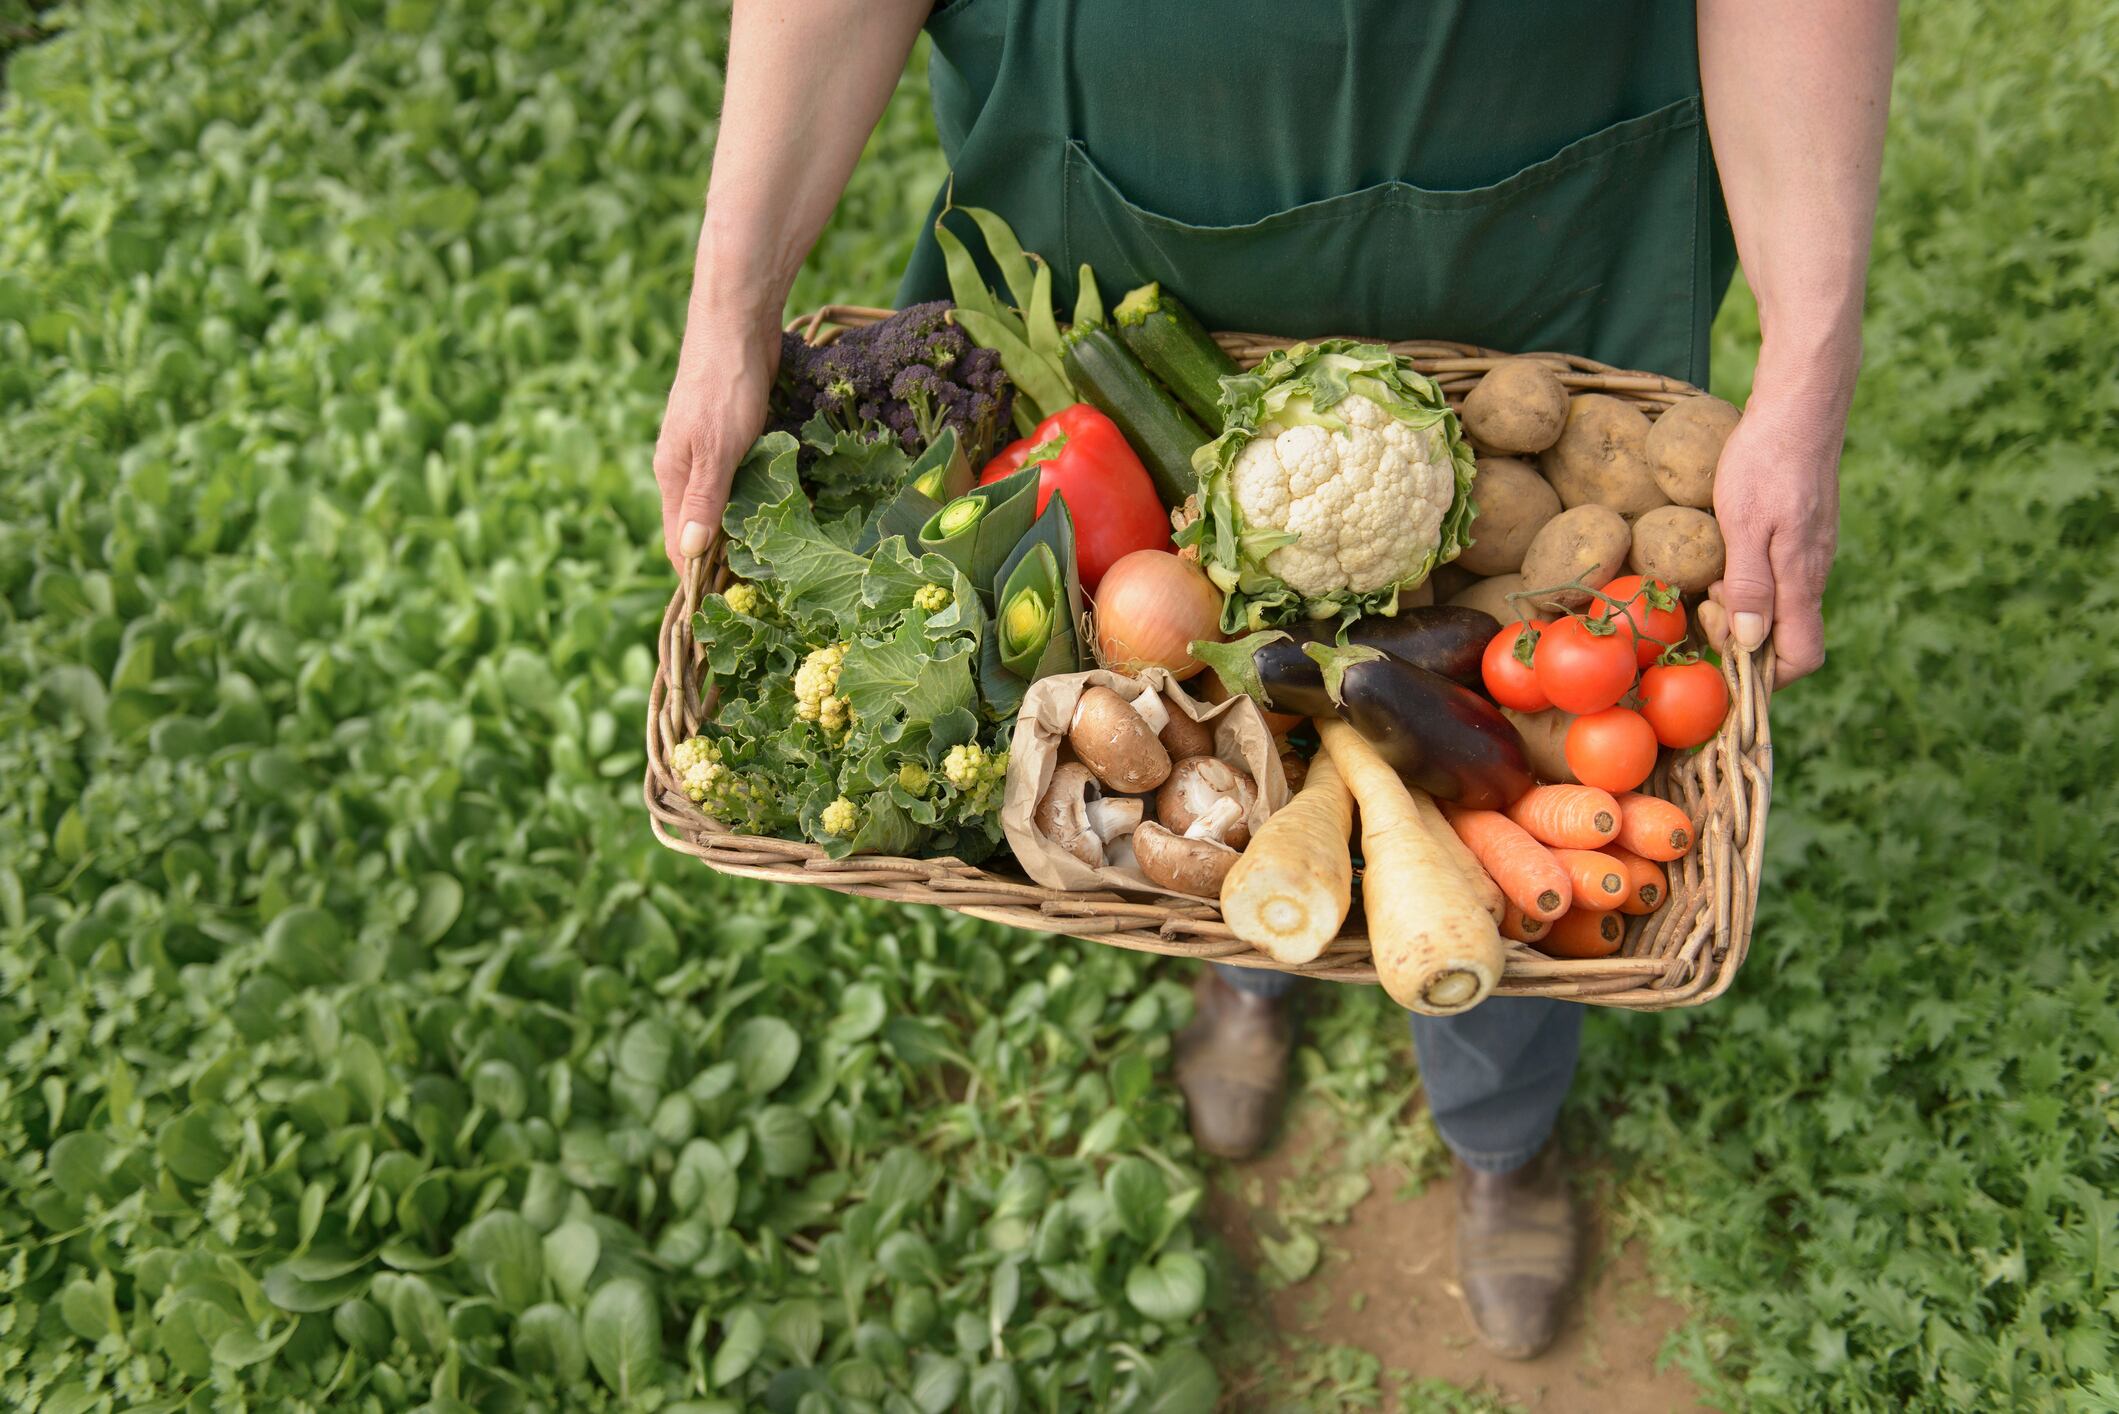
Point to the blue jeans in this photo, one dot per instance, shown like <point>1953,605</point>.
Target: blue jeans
<point>1495,1076</point>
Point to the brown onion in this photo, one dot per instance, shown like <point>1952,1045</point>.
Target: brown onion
<point>1150,606</point>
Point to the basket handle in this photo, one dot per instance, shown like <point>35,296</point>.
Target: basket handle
<point>694,578</point>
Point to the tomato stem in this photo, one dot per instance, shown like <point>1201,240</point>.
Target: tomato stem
<point>1617,606</point>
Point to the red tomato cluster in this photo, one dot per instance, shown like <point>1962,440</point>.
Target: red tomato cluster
<point>1587,665</point>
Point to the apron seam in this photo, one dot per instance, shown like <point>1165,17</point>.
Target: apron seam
<point>1393,191</point>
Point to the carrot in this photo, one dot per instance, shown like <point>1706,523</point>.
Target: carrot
<point>1435,948</point>
<point>1653,828</point>
<point>1525,869</point>
<point>1584,932</point>
<point>1517,924</point>
<point>1467,863</point>
<point>1570,817</point>
<point>1646,884</point>
<point>1291,890</point>
<point>1599,881</point>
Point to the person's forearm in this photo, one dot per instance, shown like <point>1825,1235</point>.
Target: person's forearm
<point>1796,94</point>
<point>807,80</point>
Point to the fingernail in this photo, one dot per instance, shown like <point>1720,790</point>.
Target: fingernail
<point>1750,630</point>
<point>693,540</point>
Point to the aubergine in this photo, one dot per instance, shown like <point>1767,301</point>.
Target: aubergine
<point>1448,741</point>
<point>1449,639</point>
<point>1272,667</point>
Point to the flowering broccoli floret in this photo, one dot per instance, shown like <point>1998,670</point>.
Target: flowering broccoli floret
<point>706,780</point>
<point>913,373</point>
<point>977,772</point>
<point>963,764</point>
<point>842,817</point>
<point>697,763</point>
<point>931,598</point>
<point>742,597</point>
<point>817,689</point>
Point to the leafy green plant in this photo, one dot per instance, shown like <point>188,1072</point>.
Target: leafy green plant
<point>362,1051</point>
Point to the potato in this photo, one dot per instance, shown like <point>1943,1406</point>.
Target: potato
<point>1450,580</point>
<point>1680,546</point>
<point>1491,595</point>
<point>1514,504</point>
<point>1419,596</point>
<point>1588,543</point>
<point>1518,406</point>
<point>1544,743</point>
<point>1602,458</point>
<point>1685,445</point>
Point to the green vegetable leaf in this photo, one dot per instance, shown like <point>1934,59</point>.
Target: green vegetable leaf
<point>1182,1381</point>
<point>765,1050</point>
<point>571,1251</point>
<point>622,1334</point>
<point>1171,1289</point>
<point>506,1256</point>
<point>851,473</point>
<point>774,534</point>
<point>742,1341</point>
<point>547,1341</point>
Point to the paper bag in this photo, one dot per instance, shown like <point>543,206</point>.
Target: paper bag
<point>1241,738</point>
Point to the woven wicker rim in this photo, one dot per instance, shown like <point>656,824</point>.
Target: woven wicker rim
<point>1685,953</point>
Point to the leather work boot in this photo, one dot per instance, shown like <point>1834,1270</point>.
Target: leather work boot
<point>1232,1064</point>
<point>1516,1237</point>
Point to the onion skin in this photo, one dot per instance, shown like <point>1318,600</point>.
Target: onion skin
<point>1150,606</point>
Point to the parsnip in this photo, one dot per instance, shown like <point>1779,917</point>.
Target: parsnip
<point>1291,890</point>
<point>1436,948</point>
<point>1467,863</point>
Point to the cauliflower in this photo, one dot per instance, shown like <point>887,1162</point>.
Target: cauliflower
<point>742,598</point>
<point>1342,477</point>
<point>817,689</point>
<point>841,817</point>
<point>931,598</point>
<point>913,778</point>
<point>1365,505</point>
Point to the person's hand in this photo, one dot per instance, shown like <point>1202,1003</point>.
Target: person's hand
<point>716,409</point>
<point>1776,496</point>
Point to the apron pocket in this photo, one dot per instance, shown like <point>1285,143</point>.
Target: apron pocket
<point>1600,249</point>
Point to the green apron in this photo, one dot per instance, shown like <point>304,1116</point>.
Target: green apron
<point>1518,176</point>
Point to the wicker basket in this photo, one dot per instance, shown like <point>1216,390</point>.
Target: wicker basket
<point>1684,954</point>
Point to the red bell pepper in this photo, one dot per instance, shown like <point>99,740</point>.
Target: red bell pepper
<point>1080,451</point>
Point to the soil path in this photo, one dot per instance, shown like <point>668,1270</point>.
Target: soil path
<point>1383,1285</point>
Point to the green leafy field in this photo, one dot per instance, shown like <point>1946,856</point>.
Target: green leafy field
<point>363,1051</point>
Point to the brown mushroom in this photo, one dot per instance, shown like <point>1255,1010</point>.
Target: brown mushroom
<point>1075,814</point>
<point>1116,743</point>
<point>1294,768</point>
<point>1207,798</point>
<point>1184,866</point>
<point>1185,736</point>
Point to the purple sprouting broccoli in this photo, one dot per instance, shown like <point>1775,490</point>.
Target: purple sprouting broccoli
<point>913,374</point>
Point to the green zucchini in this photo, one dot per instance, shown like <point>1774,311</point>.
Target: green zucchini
<point>1106,374</point>
<point>1169,342</point>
